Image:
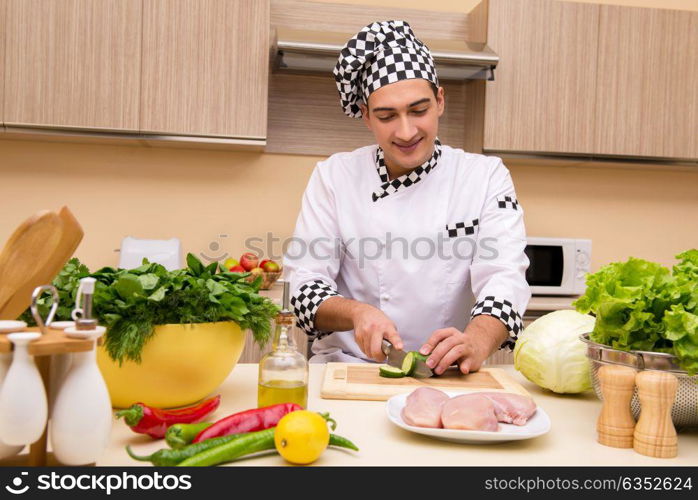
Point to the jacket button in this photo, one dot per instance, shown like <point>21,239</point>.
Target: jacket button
<point>385,298</point>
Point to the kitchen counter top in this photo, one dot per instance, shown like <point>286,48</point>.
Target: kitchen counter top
<point>571,440</point>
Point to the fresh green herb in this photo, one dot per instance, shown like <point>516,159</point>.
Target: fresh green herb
<point>640,305</point>
<point>67,282</point>
<point>131,302</point>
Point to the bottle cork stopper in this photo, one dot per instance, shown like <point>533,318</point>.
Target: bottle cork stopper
<point>655,434</point>
<point>615,425</point>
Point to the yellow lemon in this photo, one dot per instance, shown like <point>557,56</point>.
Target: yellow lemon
<point>301,437</point>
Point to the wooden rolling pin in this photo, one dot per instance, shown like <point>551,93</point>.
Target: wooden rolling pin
<point>615,425</point>
<point>655,435</point>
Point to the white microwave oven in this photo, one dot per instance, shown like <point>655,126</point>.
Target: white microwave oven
<point>558,266</point>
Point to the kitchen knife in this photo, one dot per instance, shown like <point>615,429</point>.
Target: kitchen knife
<point>396,356</point>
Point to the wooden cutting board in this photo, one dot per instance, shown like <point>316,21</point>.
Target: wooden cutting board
<point>362,381</point>
<point>34,255</point>
<point>25,252</point>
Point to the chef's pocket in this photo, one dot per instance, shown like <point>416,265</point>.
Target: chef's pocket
<point>460,245</point>
<point>454,311</point>
<point>466,227</point>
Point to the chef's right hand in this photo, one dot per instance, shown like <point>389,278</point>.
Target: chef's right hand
<point>371,326</point>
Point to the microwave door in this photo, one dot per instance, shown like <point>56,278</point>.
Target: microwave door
<point>568,259</point>
<point>547,273</point>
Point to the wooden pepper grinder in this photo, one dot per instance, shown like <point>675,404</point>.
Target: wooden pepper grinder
<point>616,424</point>
<point>655,435</point>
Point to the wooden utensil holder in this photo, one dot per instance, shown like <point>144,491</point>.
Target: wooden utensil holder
<point>53,342</point>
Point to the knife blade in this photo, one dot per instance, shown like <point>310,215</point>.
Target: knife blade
<point>395,358</point>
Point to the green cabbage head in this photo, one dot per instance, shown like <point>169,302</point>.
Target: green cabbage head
<point>550,354</point>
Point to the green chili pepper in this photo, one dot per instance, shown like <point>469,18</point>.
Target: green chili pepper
<point>251,442</point>
<point>180,435</point>
<point>336,440</point>
<point>167,457</point>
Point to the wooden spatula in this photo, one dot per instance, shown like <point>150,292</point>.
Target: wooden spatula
<point>34,255</point>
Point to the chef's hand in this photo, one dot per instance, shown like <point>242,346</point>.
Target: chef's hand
<point>371,326</point>
<point>483,335</point>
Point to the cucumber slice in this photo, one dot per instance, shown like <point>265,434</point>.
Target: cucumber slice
<point>390,372</point>
<point>409,363</point>
<point>420,356</point>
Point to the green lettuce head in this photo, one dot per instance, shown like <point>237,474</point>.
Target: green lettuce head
<point>639,305</point>
<point>628,299</point>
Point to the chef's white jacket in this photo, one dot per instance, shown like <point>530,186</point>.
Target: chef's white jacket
<point>432,255</point>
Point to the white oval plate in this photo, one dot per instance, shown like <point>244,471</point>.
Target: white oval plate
<point>9,326</point>
<point>537,425</point>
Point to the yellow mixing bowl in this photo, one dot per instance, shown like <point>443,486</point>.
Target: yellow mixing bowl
<point>180,365</point>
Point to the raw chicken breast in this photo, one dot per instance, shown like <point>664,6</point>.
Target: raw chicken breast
<point>470,412</point>
<point>423,407</point>
<point>511,408</point>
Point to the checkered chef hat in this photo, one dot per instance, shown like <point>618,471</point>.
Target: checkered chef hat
<point>381,53</point>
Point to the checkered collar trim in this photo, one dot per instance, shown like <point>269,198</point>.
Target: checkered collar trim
<point>389,187</point>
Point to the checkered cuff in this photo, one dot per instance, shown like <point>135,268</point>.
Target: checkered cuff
<point>305,303</point>
<point>504,311</point>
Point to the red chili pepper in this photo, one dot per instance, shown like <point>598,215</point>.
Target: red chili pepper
<point>248,421</point>
<point>154,421</point>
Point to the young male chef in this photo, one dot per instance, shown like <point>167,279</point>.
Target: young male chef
<point>407,240</point>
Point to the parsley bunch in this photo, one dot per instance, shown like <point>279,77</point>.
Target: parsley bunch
<point>131,302</point>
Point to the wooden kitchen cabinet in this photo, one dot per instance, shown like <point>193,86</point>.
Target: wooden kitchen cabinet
<point>647,83</point>
<point>72,64</point>
<point>3,10</point>
<point>592,80</point>
<point>205,68</point>
<point>542,98</point>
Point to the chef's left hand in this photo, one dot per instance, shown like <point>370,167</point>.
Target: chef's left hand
<point>469,349</point>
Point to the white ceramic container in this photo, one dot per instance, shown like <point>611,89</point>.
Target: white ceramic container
<point>6,450</point>
<point>81,419</point>
<point>23,404</point>
<point>60,364</point>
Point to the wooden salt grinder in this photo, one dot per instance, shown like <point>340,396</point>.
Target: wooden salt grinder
<point>655,435</point>
<point>616,424</point>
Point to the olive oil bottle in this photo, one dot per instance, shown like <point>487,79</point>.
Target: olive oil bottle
<point>283,372</point>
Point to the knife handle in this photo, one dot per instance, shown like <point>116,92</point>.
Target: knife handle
<point>386,346</point>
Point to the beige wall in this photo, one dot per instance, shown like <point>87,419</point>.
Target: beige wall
<point>196,195</point>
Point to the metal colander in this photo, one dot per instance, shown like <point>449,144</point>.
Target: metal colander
<point>685,409</point>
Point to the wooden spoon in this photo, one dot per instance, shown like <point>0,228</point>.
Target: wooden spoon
<point>34,255</point>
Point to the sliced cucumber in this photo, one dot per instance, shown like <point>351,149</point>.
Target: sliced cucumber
<point>409,363</point>
<point>390,372</point>
<point>420,356</point>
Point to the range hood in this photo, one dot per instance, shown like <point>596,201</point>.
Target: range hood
<point>302,51</point>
